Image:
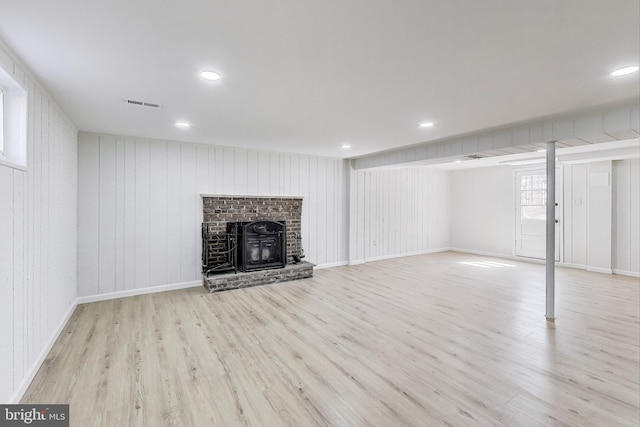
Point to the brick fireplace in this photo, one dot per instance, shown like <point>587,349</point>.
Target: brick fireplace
<point>220,211</point>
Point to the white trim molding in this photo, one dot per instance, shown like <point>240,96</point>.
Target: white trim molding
<point>37,364</point>
<point>135,292</point>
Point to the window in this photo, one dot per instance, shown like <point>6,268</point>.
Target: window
<point>13,122</point>
<point>533,197</point>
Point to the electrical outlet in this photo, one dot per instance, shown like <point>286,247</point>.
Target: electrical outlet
<point>577,201</point>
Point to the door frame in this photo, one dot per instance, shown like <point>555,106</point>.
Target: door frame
<point>515,194</point>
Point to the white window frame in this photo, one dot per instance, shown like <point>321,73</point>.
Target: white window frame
<point>13,125</point>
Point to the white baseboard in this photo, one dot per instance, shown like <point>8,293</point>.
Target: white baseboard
<point>141,291</point>
<point>406,254</point>
<point>497,255</point>
<point>401,255</point>
<point>600,270</point>
<point>35,367</point>
<point>331,265</point>
<point>570,265</point>
<point>626,272</point>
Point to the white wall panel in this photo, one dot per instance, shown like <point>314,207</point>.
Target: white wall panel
<point>626,216</point>
<point>151,189</point>
<point>6,281</point>
<point>174,210</point>
<point>576,213</point>
<point>398,212</point>
<point>128,214</point>
<point>119,213</point>
<point>600,233</point>
<point>482,210</point>
<point>38,252</point>
<point>599,216</point>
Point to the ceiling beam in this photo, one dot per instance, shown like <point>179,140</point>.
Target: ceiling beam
<point>604,124</point>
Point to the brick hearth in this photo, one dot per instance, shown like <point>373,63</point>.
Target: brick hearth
<point>223,282</point>
<point>219,210</point>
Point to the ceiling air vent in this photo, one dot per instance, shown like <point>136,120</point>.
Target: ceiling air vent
<point>142,103</point>
<point>474,157</point>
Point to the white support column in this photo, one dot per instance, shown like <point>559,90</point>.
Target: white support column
<point>551,231</point>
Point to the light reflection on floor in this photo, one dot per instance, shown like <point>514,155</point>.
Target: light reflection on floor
<point>487,264</point>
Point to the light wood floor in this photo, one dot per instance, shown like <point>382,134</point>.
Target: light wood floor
<point>427,340</point>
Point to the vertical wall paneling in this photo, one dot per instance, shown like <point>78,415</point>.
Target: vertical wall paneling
<point>252,173</point>
<point>175,167</point>
<point>228,175</point>
<point>6,281</point>
<point>312,185</point>
<point>304,178</point>
<point>202,182</point>
<point>634,216</point>
<point>158,204</point>
<point>119,212</point>
<point>322,220</point>
<point>395,212</point>
<point>285,176</point>
<point>212,169</point>
<point>626,219</point>
<point>129,215</point>
<point>19,280</point>
<point>274,173</point>
<point>240,172</point>
<point>36,303</point>
<point>599,217</point>
<point>578,220</point>
<point>621,202</point>
<point>106,215</point>
<point>142,210</point>
<point>38,212</point>
<point>264,173</point>
<point>88,214</point>
<point>189,247</point>
<point>218,170</point>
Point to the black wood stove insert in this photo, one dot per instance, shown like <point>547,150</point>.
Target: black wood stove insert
<point>257,245</point>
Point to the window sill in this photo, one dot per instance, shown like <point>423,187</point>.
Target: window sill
<point>5,162</point>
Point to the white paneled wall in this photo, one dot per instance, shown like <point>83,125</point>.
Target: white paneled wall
<point>140,208</point>
<point>38,213</point>
<point>626,216</point>
<point>482,210</point>
<point>398,212</point>
<point>576,190</point>
<point>482,214</point>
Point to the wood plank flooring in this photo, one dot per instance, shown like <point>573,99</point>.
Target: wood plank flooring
<point>444,339</point>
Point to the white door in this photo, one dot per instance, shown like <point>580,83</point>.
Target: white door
<point>531,214</point>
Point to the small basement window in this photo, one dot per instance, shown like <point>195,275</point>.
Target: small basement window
<point>13,122</point>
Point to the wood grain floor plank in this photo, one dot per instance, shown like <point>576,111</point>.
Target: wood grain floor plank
<point>443,339</point>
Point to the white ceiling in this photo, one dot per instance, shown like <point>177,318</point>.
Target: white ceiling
<point>306,76</point>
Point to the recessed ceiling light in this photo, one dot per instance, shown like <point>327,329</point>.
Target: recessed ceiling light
<point>183,125</point>
<point>624,71</point>
<point>345,146</point>
<point>426,125</point>
<point>542,150</point>
<point>210,75</point>
<point>458,161</point>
